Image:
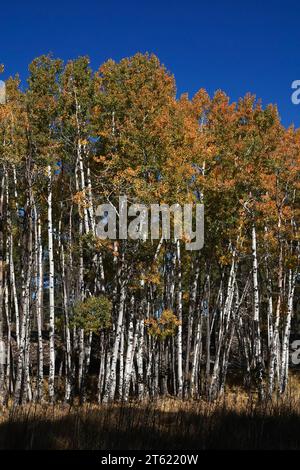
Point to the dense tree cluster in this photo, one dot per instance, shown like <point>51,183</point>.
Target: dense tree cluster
<point>120,319</point>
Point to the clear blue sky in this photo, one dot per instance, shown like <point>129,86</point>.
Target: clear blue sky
<point>237,46</point>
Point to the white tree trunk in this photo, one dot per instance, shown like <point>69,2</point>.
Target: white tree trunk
<point>51,294</point>
<point>179,334</point>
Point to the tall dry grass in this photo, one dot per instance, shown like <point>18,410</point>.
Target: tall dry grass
<point>235,422</point>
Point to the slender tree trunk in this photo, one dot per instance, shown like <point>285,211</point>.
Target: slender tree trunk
<point>257,337</point>
<point>39,303</point>
<point>192,305</point>
<point>286,334</point>
<point>129,353</point>
<point>51,294</point>
<point>179,310</point>
<point>115,353</point>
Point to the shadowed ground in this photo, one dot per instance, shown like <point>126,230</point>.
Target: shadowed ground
<point>166,426</point>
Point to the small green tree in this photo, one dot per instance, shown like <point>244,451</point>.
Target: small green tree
<point>93,314</point>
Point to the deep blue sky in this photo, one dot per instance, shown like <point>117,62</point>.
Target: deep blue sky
<point>237,46</point>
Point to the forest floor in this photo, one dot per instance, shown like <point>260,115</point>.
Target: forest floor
<point>235,422</point>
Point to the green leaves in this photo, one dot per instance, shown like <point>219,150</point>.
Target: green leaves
<point>93,314</point>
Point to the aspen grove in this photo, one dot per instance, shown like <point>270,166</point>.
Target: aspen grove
<point>101,320</point>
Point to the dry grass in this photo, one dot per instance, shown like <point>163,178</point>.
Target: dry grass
<point>236,422</point>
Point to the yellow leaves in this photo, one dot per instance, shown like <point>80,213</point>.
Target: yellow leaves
<point>82,142</point>
<point>4,112</point>
<point>81,199</point>
<point>292,262</point>
<point>185,238</point>
<point>131,172</point>
<point>153,276</point>
<point>225,260</point>
<point>103,244</point>
<point>100,159</point>
<point>164,326</point>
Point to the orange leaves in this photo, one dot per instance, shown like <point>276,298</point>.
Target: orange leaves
<point>130,173</point>
<point>164,326</point>
<point>100,159</point>
<point>81,199</point>
<point>236,157</point>
<point>152,276</point>
<point>225,259</point>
